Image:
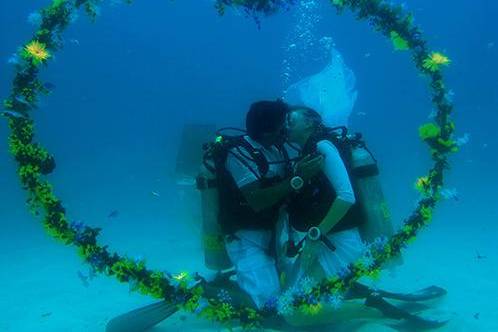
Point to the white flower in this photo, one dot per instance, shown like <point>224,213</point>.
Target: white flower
<point>335,300</point>
<point>284,303</point>
<point>35,18</point>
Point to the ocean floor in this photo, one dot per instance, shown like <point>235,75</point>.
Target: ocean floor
<point>41,290</point>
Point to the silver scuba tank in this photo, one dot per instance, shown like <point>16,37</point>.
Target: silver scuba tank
<point>369,192</point>
<point>215,255</point>
<point>377,217</point>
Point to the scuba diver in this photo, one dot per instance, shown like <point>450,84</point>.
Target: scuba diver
<point>323,217</point>
<point>253,179</point>
<point>250,182</point>
<point>328,226</point>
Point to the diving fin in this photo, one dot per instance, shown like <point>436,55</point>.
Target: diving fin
<point>392,311</point>
<point>142,318</point>
<point>429,293</point>
<point>425,294</point>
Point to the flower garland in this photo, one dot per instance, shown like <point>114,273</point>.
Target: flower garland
<point>35,161</point>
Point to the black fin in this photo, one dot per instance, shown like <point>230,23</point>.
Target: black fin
<point>425,294</point>
<point>392,311</point>
<point>142,318</point>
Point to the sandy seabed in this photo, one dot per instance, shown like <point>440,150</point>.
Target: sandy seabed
<point>41,290</point>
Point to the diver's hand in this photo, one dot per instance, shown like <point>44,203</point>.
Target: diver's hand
<point>309,166</point>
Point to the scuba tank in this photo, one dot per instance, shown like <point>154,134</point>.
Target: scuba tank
<point>365,175</point>
<point>213,243</point>
<point>215,254</point>
<point>368,190</point>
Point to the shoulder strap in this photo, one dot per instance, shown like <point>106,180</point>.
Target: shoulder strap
<point>256,156</point>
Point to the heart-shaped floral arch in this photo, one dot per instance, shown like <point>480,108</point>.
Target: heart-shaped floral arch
<point>35,161</point>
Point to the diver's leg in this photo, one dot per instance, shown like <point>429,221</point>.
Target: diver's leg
<point>256,271</point>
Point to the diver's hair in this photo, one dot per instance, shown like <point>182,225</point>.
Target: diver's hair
<point>312,115</point>
<point>265,117</point>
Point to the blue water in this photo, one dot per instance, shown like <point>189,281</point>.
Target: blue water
<point>126,85</point>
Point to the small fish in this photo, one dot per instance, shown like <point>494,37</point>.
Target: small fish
<point>92,273</point>
<point>450,96</point>
<point>138,259</point>
<point>432,115</point>
<point>450,194</point>
<point>154,193</point>
<point>84,279</point>
<point>74,41</point>
<point>46,314</point>
<point>113,214</point>
<point>49,86</point>
<point>13,114</point>
<point>491,44</point>
<point>186,181</point>
<point>479,256</point>
<point>361,113</point>
<point>476,315</point>
<point>13,59</point>
<point>35,18</point>
<point>463,140</point>
<point>367,55</point>
<point>22,100</point>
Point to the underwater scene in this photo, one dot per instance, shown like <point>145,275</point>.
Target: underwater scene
<point>261,165</point>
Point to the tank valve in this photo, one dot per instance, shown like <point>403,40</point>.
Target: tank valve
<point>314,233</point>
<point>297,182</point>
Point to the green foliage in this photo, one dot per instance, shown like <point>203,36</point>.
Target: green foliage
<point>399,43</point>
<point>429,131</point>
<point>218,311</point>
<point>193,302</point>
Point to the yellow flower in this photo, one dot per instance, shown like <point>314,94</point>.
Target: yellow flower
<point>435,61</point>
<point>426,213</point>
<point>37,51</point>
<point>311,309</point>
<point>180,276</point>
<point>423,184</point>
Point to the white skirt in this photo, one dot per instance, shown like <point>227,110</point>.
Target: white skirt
<point>348,248</point>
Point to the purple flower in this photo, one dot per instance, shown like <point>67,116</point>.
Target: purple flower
<point>306,285</point>
<point>368,261</point>
<point>77,225</point>
<point>311,299</point>
<point>79,229</point>
<point>224,296</point>
<point>35,18</point>
<point>96,261</point>
<point>271,303</point>
<point>13,59</point>
<point>285,303</point>
<point>203,303</point>
<point>335,300</point>
<point>379,243</point>
<point>343,272</point>
<point>84,279</point>
<point>13,114</point>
